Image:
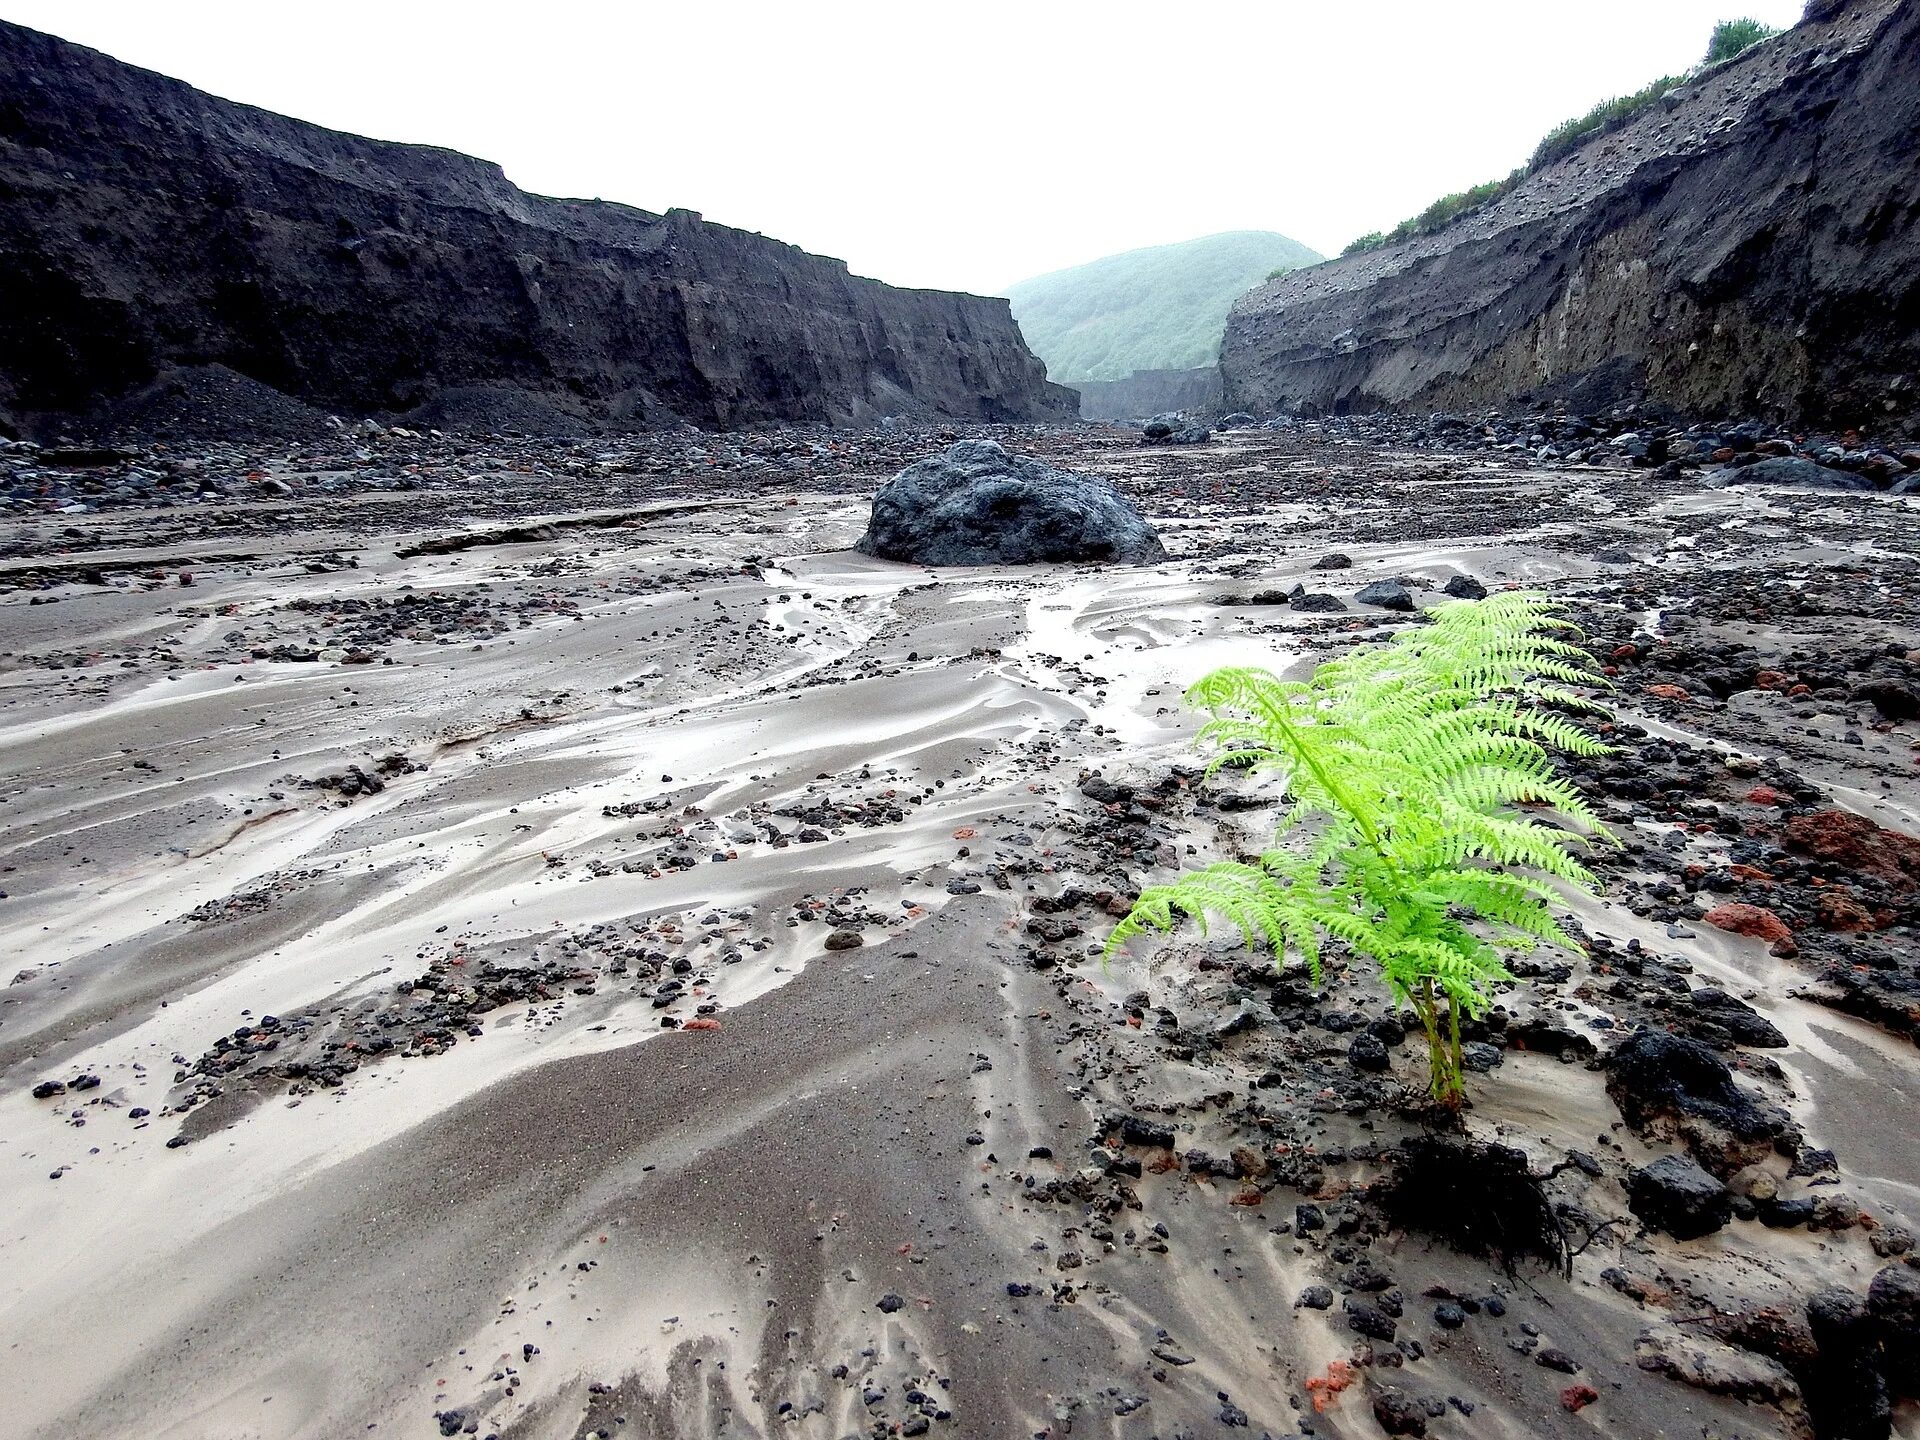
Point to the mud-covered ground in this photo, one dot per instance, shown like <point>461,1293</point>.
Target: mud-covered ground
<point>561,947</point>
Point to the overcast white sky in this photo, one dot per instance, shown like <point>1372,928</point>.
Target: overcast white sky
<point>964,146</point>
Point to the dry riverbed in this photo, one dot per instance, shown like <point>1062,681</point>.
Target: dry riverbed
<point>593,956</point>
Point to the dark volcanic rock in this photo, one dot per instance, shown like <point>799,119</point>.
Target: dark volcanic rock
<point>1742,1024</point>
<point>1675,1195</point>
<point>1803,474</point>
<point>151,234</point>
<point>1745,245</point>
<point>1316,603</point>
<point>1387,594</point>
<point>1896,699</point>
<point>1847,1390</point>
<point>1893,1300</point>
<point>1368,1052</point>
<point>1671,1088</point>
<point>1175,430</point>
<point>979,505</point>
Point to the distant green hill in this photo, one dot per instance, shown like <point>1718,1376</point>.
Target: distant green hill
<point>1163,308</point>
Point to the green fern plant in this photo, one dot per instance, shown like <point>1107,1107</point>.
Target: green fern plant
<point>1403,763</point>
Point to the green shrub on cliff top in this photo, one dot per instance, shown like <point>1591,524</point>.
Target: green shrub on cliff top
<point>1730,38</point>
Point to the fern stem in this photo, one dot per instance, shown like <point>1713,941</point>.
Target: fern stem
<point>1453,1026</point>
<point>1443,1052</point>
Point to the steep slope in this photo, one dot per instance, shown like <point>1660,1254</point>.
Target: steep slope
<point>1747,246</point>
<point>1161,308</point>
<point>149,232</point>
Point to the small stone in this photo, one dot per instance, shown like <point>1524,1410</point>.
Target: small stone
<point>1675,1195</point>
<point>1754,1183</point>
<point>1386,594</point>
<point>1755,920</point>
<point>1316,604</point>
<point>1397,1415</point>
<point>1369,1320</point>
<point>1576,1398</point>
<point>1368,1053</point>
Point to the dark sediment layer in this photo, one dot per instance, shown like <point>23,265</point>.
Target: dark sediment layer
<point>1746,246</point>
<point>175,262</point>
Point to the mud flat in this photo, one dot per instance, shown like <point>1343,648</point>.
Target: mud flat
<point>509,963</point>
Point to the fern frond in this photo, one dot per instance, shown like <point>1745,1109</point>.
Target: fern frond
<point>1410,757</point>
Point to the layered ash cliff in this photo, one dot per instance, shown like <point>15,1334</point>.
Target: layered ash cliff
<point>1748,246</point>
<point>158,242</point>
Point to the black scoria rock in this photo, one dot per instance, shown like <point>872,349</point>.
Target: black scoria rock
<point>1675,1195</point>
<point>979,505</point>
<point>1846,1388</point>
<point>1671,1088</point>
<point>1893,1301</point>
<point>1387,594</point>
<point>1318,604</point>
<point>1369,1053</point>
<point>1801,474</point>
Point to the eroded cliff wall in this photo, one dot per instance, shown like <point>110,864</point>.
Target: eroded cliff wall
<point>1150,392</point>
<point>149,230</point>
<point>1751,246</point>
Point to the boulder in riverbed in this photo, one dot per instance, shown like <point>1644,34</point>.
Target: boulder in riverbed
<point>1802,474</point>
<point>1175,430</point>
<point>978,504</point>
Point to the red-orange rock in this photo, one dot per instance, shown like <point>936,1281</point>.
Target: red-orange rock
<point>1763,795</point>
<point>1754,920</point>
<point>1772,680</point>
<point>1668,692</point>
<point>1576,1398</point>
<point>1838,911</point>
<point>1857,843</point>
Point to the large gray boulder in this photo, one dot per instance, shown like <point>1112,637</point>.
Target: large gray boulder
<point>1802,474</point>
<point>980,505</point>
<point>1174,429</point>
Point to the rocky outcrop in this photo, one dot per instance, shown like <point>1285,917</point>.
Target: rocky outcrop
<point>1150,392</point>
<point>159,245</point>
<point>1750,245</point>
<point>979,505</point>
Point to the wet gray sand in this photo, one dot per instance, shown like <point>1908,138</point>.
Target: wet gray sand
<point>568,964</point>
